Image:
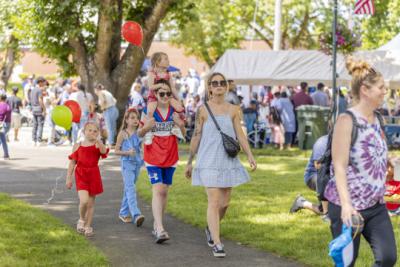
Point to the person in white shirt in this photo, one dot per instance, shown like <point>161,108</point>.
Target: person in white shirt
<point>135,99</point>
<point>85,101</point>
<point>107,103</point>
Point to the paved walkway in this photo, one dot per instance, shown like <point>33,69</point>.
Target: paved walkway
<point>32,175</point>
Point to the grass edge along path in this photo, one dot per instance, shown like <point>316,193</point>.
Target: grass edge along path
<point>30,236</point>
<point>259,212</point>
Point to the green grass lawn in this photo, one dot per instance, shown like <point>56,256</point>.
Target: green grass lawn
<point>32,237</point>
<point>259,212</point>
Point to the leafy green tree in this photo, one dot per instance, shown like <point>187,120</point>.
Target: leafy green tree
<point>9,43</point>
<point>206,28</point>
<point>210,27</point>
<point>383,25</point>
<point>84,37</point>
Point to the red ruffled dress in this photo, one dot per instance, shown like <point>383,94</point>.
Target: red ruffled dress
<point>87,172</point>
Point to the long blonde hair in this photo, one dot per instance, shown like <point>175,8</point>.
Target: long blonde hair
<point>362,74</point>
<point>156,58</point>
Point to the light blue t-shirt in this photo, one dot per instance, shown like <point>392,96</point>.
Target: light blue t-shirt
<point>317,152</point>
<point>320,98</point>
<point>286,111</point>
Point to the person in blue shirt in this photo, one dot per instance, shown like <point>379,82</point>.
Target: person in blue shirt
<point>310,179</point>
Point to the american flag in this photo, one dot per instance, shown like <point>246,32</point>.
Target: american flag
<point>364,7</point>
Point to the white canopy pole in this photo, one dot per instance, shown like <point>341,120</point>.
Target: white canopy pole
<point>278,22</point>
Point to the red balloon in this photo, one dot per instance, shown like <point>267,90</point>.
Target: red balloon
<point>132,33</point>
<point>75,109</point>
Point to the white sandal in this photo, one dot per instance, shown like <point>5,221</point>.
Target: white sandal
<point>89,231</point>
<point>80,226</point>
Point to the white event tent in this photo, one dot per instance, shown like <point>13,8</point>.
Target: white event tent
<point>290,67</point>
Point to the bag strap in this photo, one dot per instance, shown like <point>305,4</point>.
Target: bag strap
<point>380,119</point>
<point>327,157</point>
<point>212,116</point>
<point>355,126</point>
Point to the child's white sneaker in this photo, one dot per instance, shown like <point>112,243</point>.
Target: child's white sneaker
<point>177,132</point>
<point>148,138</point>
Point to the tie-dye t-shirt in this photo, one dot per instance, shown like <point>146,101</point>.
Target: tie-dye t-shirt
<point>366,172</point>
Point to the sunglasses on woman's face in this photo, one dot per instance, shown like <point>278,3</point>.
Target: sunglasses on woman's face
<point>218,83</point>
<point>162,94</point>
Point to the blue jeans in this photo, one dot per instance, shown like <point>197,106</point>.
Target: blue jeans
<point>130,172</point>
<point>3,140</point>
<point>110,117</point>
<point>37,130</point>
<point>288,138</point>
<point>250,120</point>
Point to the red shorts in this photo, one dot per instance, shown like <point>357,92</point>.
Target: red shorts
<point>88,179</point>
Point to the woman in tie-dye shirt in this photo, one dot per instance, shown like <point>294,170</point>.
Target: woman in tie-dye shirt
<point>358,179</point>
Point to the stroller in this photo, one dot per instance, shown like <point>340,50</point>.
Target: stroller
<point>257,137</point>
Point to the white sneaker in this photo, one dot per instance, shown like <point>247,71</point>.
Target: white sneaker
<point>148,138</point>
<point>177,132</point>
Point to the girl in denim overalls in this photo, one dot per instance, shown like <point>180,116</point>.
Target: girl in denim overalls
<point>128,147</point>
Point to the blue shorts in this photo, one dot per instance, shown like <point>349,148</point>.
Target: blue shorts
<point>160,175</point>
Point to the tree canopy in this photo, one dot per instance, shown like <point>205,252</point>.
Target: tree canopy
<point>383,25</point>
<point>9,43</point>
<point>84,37</point>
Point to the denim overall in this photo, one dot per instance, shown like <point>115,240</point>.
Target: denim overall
<point>130,168</point>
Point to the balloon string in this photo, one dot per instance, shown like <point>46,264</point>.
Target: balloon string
<point>54,190</point>
<point>144,55</point>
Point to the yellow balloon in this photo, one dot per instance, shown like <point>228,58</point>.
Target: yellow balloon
<point>62,116</point>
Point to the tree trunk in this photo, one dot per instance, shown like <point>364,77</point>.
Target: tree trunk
<point>131,62</point>
<point>9,60</point>
<point>106,65</point>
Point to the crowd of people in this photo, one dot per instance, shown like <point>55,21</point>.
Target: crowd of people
<point>270,110</point>
<point>163,107</point>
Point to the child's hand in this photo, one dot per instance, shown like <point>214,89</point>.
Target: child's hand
<point>99,143</point>
<point>131,152</point>
<point>150,123</point>
<point>68,183</point>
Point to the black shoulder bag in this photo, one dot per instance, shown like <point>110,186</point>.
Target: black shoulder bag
<point>231,145</point>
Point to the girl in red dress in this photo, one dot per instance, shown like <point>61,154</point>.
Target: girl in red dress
<point>84,160</point>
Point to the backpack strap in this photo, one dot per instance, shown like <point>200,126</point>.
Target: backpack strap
<point>355,126</point>
<point>380,119</point>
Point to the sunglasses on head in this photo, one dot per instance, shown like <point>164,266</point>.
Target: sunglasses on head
<point>162,94</point>
<point>218,83</point>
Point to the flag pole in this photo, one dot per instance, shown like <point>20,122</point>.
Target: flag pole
<point>334,52</point>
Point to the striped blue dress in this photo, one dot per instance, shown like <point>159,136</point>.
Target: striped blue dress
<point>214,168</point>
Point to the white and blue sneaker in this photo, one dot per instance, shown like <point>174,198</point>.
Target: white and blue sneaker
<point>218,251</point>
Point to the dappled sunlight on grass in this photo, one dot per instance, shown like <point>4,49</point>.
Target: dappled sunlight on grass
<point>59,233</point>
<point>55,207</point>
<point>272,218</point>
